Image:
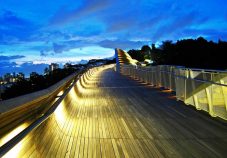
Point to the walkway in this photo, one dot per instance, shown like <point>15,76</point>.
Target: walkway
<point>110,115</point>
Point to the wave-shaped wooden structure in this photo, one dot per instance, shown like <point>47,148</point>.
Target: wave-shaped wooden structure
<point>106,114</point>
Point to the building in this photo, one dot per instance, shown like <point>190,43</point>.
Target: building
<point>53,66</point>
<point>10,78</point>
<point>20,75</point>
<point>67,65</point>
<point>33,75</point>
<point>96,62</point>
<point>7,77</point>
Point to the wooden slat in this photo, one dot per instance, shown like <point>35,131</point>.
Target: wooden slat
<point>113,116</point>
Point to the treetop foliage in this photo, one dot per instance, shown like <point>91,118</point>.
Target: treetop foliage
<point>195,53</point>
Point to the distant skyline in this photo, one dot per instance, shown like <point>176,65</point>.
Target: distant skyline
<point>34,33</point>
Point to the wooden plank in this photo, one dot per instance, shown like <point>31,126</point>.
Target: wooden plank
<point>137,148</point>
<point>86,148</point>
<point>77,148</point>
<point>69,148</point>
<point>126,154</point>
<point>90,148</point>
<point>116,152</point>
<point>117,117</point>
<point>81,152</point>
<point>98,148</point>
<point>103,152</point>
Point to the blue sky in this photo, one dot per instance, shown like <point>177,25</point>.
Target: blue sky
<point>34,33</point>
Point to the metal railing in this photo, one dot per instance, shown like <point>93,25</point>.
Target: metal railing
<point>204,89</point>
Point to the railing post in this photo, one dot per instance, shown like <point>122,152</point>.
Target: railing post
<point>209,99</point>
<point>224,90</point>
<point>185,85</point>
<point>193,86</point>
<point>195,97</point>
<point>209,96</point>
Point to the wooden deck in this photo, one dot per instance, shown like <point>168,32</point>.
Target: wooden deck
<point>110,115</point>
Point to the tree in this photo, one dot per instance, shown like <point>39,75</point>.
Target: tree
<point>196,53</point>
<point>21,87</point>
<point>37,81</point>
<point>156,55</point>
<point>146,50</point>
<point>136,54</point>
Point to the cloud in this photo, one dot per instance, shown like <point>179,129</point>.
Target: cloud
<point>210,34</point>
<point>173,27</point>
<point>50,35</point>
<point>14,28</point>
<point>27,68</point>
<point>123,44</point>
<point>79,45</point>
<point>43,53</point>
<point>7,64</point>
<point>64,46</point>
<point>120,23</point>
<point>89,7</point>
<point>6,58</point>
<point>58,48</point>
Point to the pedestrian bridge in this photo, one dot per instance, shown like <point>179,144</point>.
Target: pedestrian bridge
<point>104,113</point>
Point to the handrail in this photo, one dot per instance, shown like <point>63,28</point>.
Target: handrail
<point>179,76</point>
<point>200,80</point>
<point>10,104</point>
<point>193,69</point>
<point>11,143</point>
<point>16,110</point>
<point>197,69</point>
<point>206,91</point>
<point>205,70</point>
